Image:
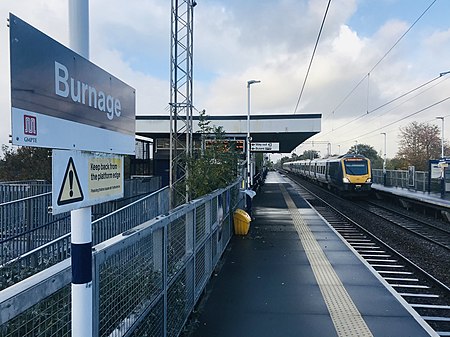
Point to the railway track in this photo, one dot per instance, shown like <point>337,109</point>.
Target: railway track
<point>429,297</point>
<point>426,230</point>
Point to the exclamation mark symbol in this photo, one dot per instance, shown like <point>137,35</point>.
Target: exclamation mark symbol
<point>71,183</point>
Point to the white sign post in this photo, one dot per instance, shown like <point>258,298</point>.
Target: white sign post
<point>81,219</point>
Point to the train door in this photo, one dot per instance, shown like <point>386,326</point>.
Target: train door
<point>327,171</point>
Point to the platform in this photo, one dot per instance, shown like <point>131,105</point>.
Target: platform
<point>423,197</point>
<point>293,275</point>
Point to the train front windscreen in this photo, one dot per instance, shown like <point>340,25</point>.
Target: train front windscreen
<point>356,167</point>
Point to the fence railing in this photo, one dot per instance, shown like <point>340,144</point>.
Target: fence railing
<point>15,190</point>
<point>401,178</point>
<point>32,239</point>
<point>146,281</point>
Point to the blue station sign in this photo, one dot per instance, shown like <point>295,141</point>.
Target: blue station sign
<point>61,100</point>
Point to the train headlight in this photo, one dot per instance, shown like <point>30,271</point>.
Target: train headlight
<point>368,180</point>
<point>345,180</point>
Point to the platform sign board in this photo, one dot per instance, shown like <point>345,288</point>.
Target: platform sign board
<point>82,179</point>
<point>265,147</point>
<point>436,171</point>
<point>60,100</point>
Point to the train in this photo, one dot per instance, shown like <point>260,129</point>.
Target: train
<point>348,174</point>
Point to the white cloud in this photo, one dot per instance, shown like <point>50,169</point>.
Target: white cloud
<point>235,41</point>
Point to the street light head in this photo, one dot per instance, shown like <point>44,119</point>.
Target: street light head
<point>252,82</point>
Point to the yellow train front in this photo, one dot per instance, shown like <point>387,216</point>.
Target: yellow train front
<point>349,174</point>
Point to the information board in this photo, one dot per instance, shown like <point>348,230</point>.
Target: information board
<point>265,147</point>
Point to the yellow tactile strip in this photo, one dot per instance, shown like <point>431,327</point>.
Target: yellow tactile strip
<point>344,314</point>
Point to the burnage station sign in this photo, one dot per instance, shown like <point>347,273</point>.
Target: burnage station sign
<point>61,100</point>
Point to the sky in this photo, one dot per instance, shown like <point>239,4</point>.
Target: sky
<point>272,41</point>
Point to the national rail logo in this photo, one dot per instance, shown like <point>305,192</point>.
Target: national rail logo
<point>30,125</point>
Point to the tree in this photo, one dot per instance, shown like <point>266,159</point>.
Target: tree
<point>310,154</point>
<point>25,163</point>
<point>368,152</point>
<point>396,164</point>
<point>419,142</point>
<point>215,166</point>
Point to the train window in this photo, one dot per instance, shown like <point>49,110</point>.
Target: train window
<point>356,167</point>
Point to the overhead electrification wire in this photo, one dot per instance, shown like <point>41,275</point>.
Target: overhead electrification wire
<point>403,118</point>
<point>405,94</point>
<point>384,56</point>
<point>312,56</point>
<point>391,101</point>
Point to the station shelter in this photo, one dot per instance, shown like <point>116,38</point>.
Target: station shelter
<point>269,133</point>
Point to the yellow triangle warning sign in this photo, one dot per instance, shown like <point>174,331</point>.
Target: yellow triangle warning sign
<point>71,188</point>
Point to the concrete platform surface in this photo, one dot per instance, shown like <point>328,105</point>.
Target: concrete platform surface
<point>292,275</point>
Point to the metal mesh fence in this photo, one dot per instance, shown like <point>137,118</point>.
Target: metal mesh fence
<point>129,281</point>
<point>200,267</point>
<point>30,264</point>
<point>19,264</point>
<point>153,325</point>
<point>176,249</point>
<point>200,223</point>
<point>180,300</point>
<point>399,178</point>
<point>131,216</point>
<point>50,317</point>
<point>146,281</point>
<point>26,224</point>
<point>14,190</point>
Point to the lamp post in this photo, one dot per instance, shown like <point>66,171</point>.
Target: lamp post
<point>384,160</point>
<point>442,136</point>
<point>442,157</point>
<point>249,175</point>
<point>249,83</point>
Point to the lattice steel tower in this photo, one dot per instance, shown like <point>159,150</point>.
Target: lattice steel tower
<point>181,104</point>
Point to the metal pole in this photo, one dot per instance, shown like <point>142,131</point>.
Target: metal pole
<point>79,26</point>
<point>442,136</point>
<point>81,255</point>
<point>442,140</point>
<point>248,132</point>
<point>249,175</point>
<point>248,135</point>
<point>442,156</point>
<point>384,160</point>
<point>81,225</point>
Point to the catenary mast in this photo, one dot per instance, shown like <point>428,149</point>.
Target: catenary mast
<point>181,104</point>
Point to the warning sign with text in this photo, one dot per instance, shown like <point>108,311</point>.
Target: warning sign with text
<point>82,179</point>
<point>105,177</point>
